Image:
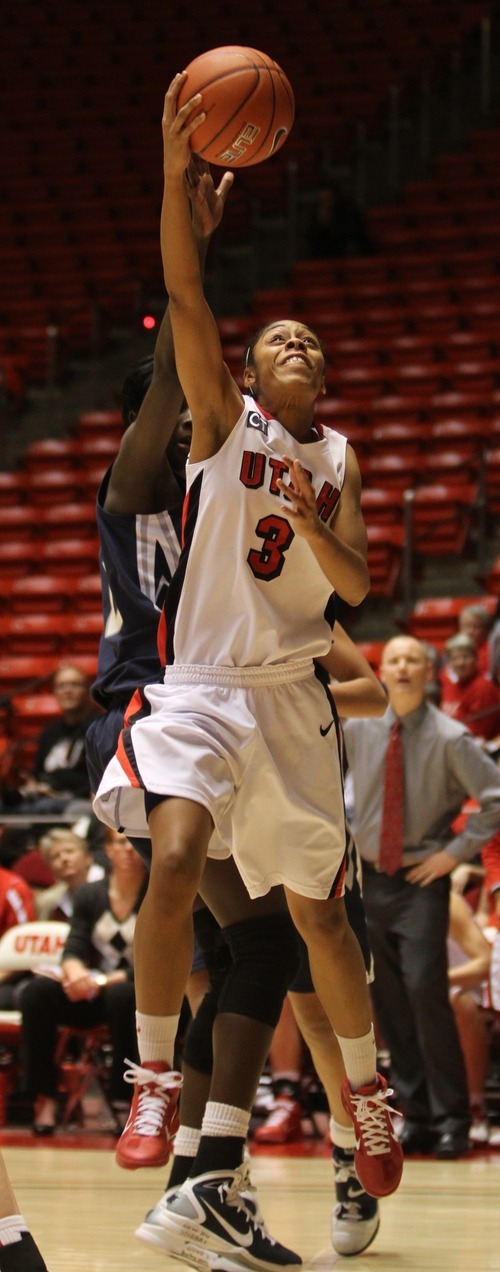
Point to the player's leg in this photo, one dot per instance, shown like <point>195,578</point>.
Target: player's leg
<point>262,942</point>
<point>180,833</point>
<point>339,978</point>
<point>18,1250</point>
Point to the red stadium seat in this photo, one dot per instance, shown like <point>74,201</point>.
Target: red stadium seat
<point>50,453</point>
<point>436,618</point>
<point>392,471</point>
<point>451,466</point>
<point>385,558</point>
<point>395,408</point>
<point>87,593</point>
<point>73,519</point>
<point>12,489</point>
<point>84,632</point>
<point>31,712</point>
<point>25,672</point>
<point>16,558</point>
<point>70,556</point>
<point>465,436</point>
<point>46,488</point>
<point>50,593</point>
<point>38,634</point>
<point>382,506</point>
<point>442,517</point>
<point>17,523</point>
<point>400,439</point>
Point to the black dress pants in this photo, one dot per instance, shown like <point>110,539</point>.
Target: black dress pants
<point>408,927</point>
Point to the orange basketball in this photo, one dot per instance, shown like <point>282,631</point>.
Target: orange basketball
<point>249,105</point>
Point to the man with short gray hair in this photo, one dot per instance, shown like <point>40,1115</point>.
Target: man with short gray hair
<point>412,770</point>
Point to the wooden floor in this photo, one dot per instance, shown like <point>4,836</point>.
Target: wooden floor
<point>83,1210</point>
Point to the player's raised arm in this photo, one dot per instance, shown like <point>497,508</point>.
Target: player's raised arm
<point>212,395</point>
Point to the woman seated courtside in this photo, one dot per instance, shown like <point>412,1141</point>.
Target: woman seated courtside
<point>96,984</point>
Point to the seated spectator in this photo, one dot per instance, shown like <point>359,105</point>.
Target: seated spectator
<point>337,225</point>
<point>96,985</point>
<point>59,781</point>
<point>475,621</point>
<point>466,694</point>
<point>71,864</point>
<point>17,905</point>
<point>469,958</point>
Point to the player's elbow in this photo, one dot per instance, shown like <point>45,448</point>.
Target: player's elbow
<point>358,587</point>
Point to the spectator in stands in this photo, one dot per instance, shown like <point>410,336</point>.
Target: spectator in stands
<point>475,621</point>
<point>96,985</point>
<point>17,905</point>
<point>337,225</point>
<point>433,686</point>
<point>467,694</point>
<point>412,771</point>
<point>59,782</point>
<point>70,860</point>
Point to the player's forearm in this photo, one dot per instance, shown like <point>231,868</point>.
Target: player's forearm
<point>359,698</point>
<point>343,566</point>
<point>179,248</point>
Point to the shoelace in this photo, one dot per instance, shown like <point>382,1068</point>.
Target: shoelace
<point>344,1171</point>
<point>153,1098</point>
<point>232,1193</point>
<point>348,1210</point>
<point>279,1114</point>
<point>371,1117</point>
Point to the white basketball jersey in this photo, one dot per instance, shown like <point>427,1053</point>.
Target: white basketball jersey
<point>248,590</point>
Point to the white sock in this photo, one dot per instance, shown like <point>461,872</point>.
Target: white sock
<point>342,1136</point>
<point>11,1229</point>
<point>156,1037</point>
<point>360,1059</point>
<point>225,1119</point>
<point>187,1141</point>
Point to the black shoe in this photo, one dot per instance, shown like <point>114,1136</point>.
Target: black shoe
<point>355,1217</point>
<point>451,1144</point>
<point>43,1129</point>
<point>417,1139</point>
<point>211,1222</point>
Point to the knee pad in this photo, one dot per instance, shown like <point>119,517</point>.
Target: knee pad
<point>213,946</point>
<point>198,1051</point>
<point>264,961</point>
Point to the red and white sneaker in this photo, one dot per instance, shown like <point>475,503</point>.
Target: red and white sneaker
<point>283,1123</point>
<point>378,1157</point>
<point>153,1119</point>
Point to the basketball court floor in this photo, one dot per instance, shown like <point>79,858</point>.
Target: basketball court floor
<point>82,1209</point>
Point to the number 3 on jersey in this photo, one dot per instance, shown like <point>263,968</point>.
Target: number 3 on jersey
<point>277,535</point>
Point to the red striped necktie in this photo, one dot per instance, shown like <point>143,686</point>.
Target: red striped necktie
<point>393,806</point>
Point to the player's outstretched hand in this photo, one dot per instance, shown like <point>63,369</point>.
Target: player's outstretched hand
<point>177,127</point>
<point>207,200</point>
<point>300,501</point>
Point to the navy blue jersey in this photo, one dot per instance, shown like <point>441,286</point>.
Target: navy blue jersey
<point>138,555</point>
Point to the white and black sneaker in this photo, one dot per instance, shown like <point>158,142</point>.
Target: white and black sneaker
<point>355,1217</point>
<point>212,1222</point>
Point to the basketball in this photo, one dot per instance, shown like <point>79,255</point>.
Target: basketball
<point>249,106</point>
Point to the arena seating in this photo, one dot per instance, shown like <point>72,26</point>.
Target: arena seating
<point>80,197</point>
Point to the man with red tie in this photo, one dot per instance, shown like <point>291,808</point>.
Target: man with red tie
<point>412,769</point>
